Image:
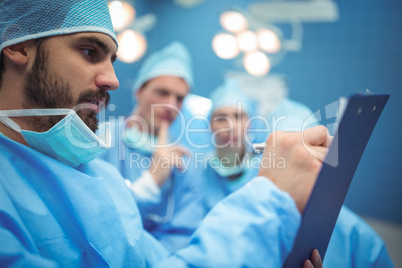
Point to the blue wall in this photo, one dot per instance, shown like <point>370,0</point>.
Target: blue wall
<point>361,51</point>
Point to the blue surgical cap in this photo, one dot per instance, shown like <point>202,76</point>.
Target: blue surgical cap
<point>230,94</point>
<point>22,20</point>
<point>173,60</point>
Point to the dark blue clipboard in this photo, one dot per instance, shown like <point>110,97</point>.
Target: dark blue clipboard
<point>327,197</point>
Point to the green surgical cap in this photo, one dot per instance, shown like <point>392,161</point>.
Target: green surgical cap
<point>173,60</point>
<point>230,94</point>
<point>22,20</point>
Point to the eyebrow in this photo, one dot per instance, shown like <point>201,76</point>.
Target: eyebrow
<point>229,114</point>
<point>95,41</point>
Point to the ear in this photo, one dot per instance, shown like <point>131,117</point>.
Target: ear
<point>138,94</point>
<point>17,53</point>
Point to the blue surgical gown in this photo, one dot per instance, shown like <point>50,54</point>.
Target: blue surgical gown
<point>181,194</point>
<point>53,215</point>
<point>353,242</point>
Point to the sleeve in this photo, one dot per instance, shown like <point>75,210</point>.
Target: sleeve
<point>16,248</point>
<point>145,188</point>
<point>180,212</point>
<point>253,227</point>
<point>355,244</point>
<point>14,254</point>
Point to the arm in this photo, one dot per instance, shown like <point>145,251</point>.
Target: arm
<point>145,188</point>
<point>354,243</point>
<point>13,252</point>
<point>254,226</point>
<point>17,248</point>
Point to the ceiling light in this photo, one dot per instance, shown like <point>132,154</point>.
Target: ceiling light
<point>256,63</point>
<point>233,21</point>
<point>225,46</point>
<point>247,41</point>
<point>132,46</point>
<point>122,14</point>
<point>268,40</point>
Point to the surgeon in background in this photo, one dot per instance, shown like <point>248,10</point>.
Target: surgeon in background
<point>231,165</point>
<point>353,243</point>
<point>160,172</point>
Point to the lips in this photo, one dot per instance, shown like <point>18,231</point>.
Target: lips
<point>92,101</point>
<point>166,117</point>
<point>99,102</point>
<point>94,104</point>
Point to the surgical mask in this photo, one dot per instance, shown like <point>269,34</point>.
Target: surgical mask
<point>70,141</point>
<point>225,171</point>
<point>140,140</point>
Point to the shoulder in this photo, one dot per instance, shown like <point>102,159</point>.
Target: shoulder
<point>353,226</point>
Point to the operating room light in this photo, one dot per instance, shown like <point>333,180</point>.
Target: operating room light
<point>233,22</point>
<point>256,63</point>
<point>247,41</point>
<point>132,46</point>
<point>250,39</point>
<point>268,41</point>
<point>225,46</point>
<point>122,14</point>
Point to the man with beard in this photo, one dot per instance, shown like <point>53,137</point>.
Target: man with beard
<point>59,207</point>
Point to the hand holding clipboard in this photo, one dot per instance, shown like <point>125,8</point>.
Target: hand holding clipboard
<point>320,209</point>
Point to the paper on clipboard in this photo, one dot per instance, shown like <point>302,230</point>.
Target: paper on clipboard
<point>319,217</point>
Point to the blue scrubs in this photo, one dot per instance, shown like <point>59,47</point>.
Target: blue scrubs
<point>173,218</point>
<point>218,187</point>
<point>353,242</point>
<point>291,115</point>
<point>54,215</point>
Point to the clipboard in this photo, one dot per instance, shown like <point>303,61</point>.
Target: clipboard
<point>322,209</point>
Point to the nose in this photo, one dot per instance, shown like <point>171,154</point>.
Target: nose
<point>234,123</point>
<point>107,78</point>
<point>172,100</point>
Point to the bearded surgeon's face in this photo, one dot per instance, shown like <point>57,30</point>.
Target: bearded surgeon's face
<point>72,71</point>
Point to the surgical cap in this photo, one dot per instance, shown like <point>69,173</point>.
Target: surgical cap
<point>173,60</point>
<point>22,20</point>
<point>230,94</point>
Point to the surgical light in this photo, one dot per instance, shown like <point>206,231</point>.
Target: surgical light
<point>247,41</point>
<point>225,46</point>
<point>122,14</point>
<point>132,46</point>
<point>256,63</point>
<point>268,40</point>
<point>233,21</point>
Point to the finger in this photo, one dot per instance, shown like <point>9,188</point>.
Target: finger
<point>316,136</point>
<point>178,163</point>
<point>316,259</point>
<point>163,132</point>
<point>308,264</point>
<point>181,150</point>
<point>329,141</point>
<point>318,152</point>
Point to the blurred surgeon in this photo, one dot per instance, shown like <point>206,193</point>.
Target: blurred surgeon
<point>159,171</point>
<point>233,163</point>
<point>353,243</point>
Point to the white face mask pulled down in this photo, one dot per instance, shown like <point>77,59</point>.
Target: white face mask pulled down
<point>70,141</point>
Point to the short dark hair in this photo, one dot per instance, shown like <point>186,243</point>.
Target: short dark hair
<point>37,42</point>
